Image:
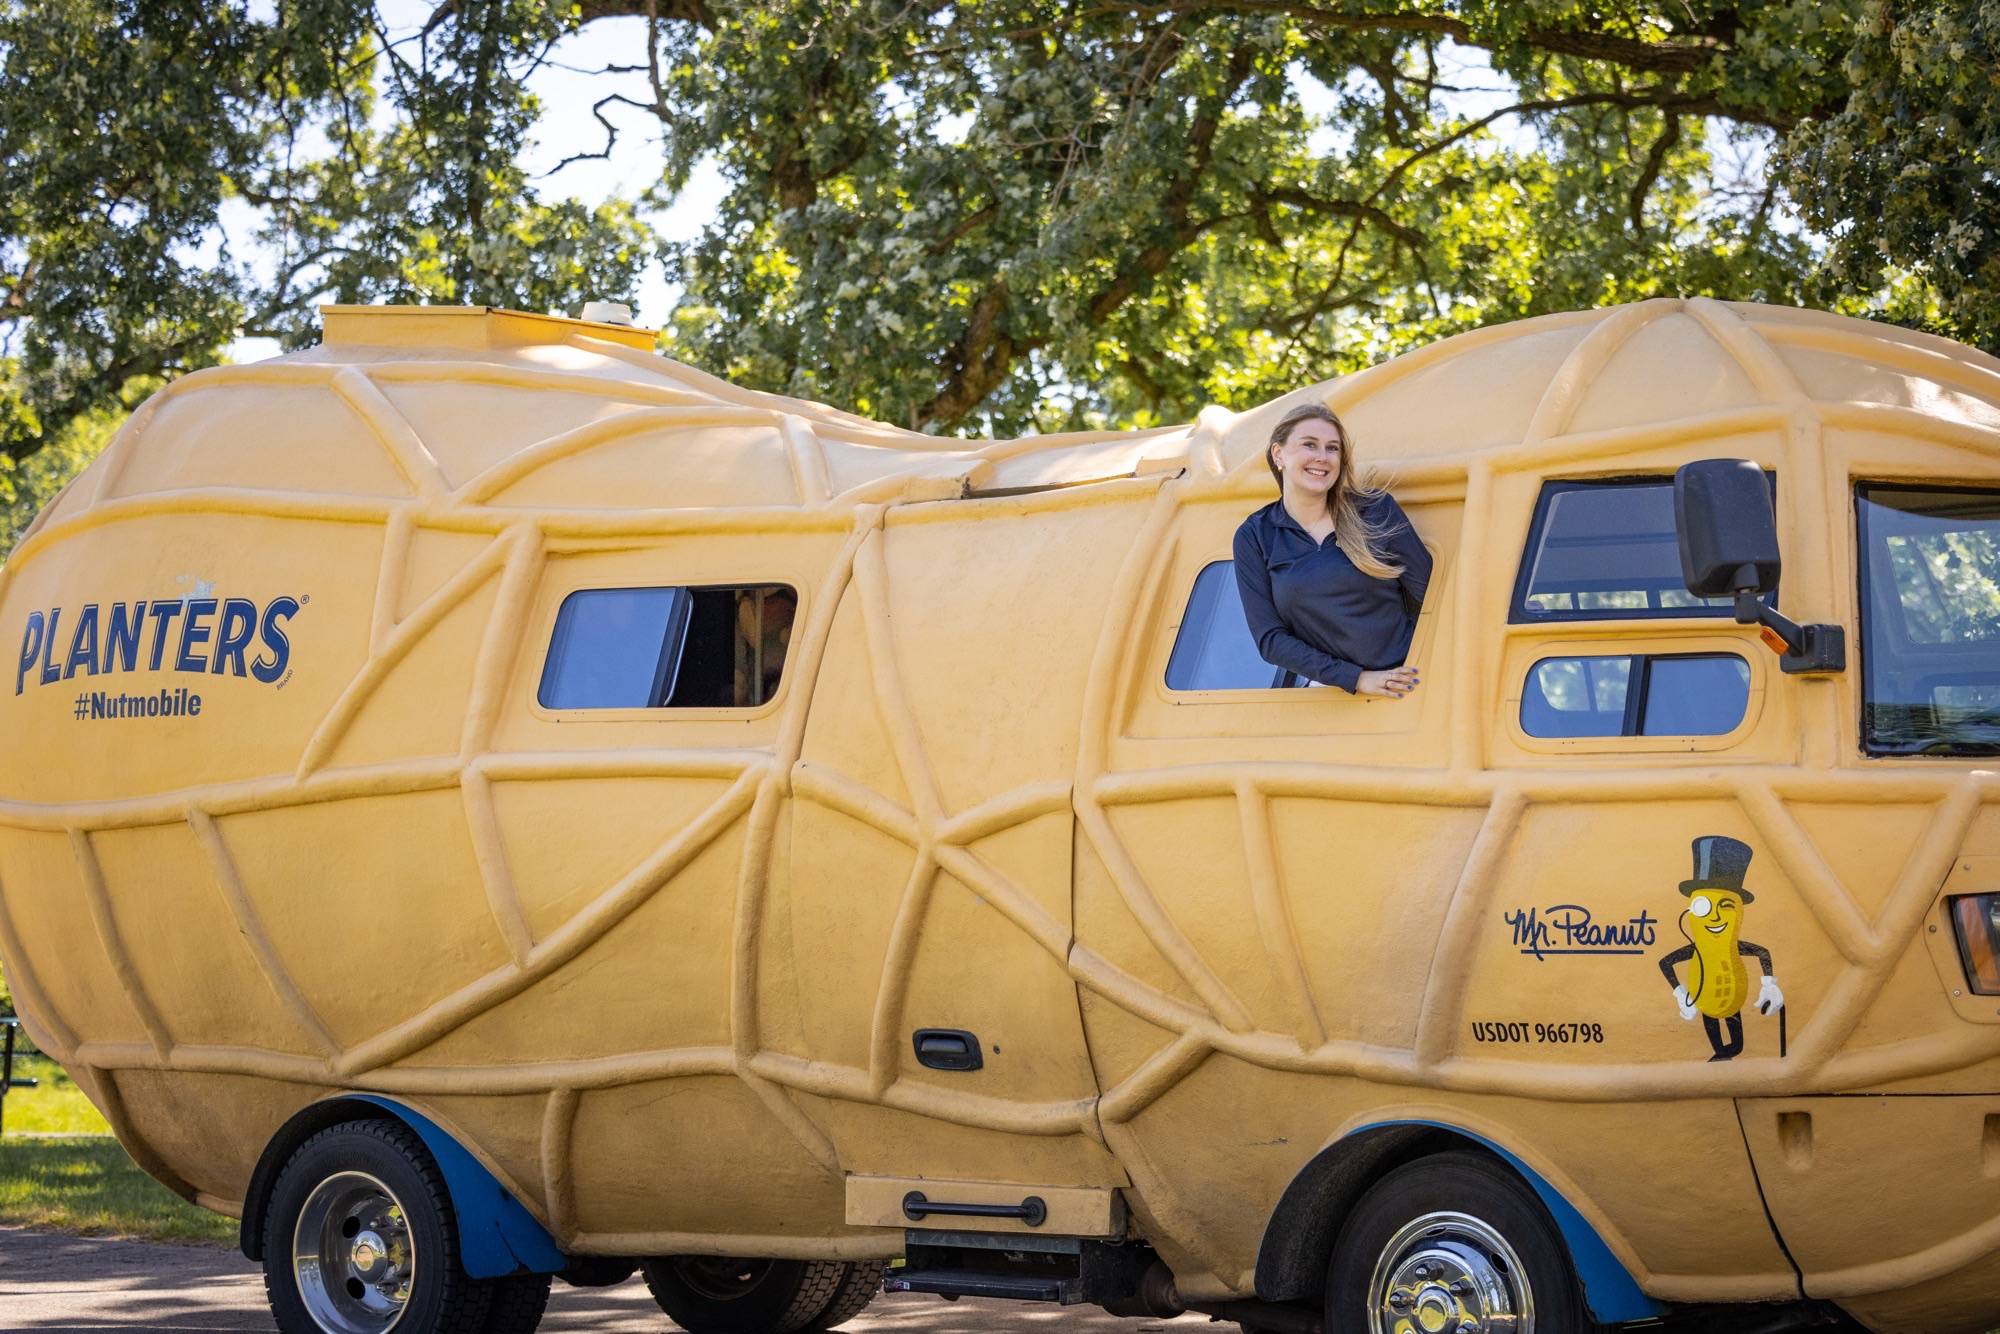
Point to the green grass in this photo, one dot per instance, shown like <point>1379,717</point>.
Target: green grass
<point>87,1184</point>
<point>56,1106</point>
<point>81,1180</point>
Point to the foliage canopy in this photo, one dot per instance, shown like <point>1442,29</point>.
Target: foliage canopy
<point>995,215</point>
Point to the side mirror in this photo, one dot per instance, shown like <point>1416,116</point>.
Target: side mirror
<point>1729,545</point>
<point>1729,536</point>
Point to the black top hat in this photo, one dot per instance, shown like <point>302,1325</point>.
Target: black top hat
<point>1719,863</point>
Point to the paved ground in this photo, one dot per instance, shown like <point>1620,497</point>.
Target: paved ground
<point>78,1284</point>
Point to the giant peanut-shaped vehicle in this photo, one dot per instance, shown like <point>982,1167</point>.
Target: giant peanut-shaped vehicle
<point>480,801</point>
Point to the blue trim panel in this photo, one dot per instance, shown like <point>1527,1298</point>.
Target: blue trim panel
<point>1608,1287</point>
<point>496,1235</point>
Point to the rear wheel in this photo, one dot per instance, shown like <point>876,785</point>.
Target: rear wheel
<point>360,1238</point>
<point>707,1294</point>
<point>1452,1244</point>
<point>518,1303</point>
<point>861,1285</point>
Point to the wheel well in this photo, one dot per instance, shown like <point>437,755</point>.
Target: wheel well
<point>309,1121</point>
<point>497,1236</point>
<point>1291,1263</point>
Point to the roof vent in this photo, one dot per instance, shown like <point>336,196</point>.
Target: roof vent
<point>606,312</point>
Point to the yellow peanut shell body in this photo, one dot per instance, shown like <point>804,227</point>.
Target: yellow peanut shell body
<point>659,970</point>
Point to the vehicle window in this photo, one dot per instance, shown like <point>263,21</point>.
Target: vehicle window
<point>643,648</point>
<point>1570,697</point>
<point>1691,694</point>
<point>1603,550</point>
<point>1930,621</point>
<point>1214,650</point>
<point>614,648</point>
<point>1694,695</point>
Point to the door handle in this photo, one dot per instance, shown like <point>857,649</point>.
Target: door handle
<point>1032,1211</point>
<point>947,1049</point>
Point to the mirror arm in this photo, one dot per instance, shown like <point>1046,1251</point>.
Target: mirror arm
<point>1751,609</point>
<point>1807,649</point>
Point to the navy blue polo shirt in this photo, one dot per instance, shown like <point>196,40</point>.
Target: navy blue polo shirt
<point>1311,612</point>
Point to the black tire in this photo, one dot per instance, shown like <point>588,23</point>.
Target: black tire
<point>728,1295</point>
<point>1399,1229</point>
<point>518,1303</point>
<point>336,1173</point>
<point>860,1285</point>
<point>598,1271</point>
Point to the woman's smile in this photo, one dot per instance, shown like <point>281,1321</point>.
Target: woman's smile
<point>1311,458</point>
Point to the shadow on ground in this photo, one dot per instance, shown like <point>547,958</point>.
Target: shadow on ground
<point>88,1285</point>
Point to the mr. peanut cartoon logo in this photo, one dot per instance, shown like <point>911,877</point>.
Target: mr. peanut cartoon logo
<point>1717,984</point>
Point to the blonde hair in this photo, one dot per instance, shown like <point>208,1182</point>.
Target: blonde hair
<point>1353,533</point>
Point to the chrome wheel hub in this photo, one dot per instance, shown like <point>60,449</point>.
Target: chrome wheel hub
<point>353,1256</point>
<point>1449,1273</point>
<point>370,1256</point>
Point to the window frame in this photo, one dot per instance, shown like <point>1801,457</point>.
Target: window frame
<point>544,644</point>
<point>1638,692</point>
<point>1677,638</point>
<point>1518,612</point>
<point>1897,628</point>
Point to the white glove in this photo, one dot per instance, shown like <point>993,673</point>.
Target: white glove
<point>1686,1002</point>
<point>1769,998</point>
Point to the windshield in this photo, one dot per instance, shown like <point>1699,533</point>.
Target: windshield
<point>1930,595</point>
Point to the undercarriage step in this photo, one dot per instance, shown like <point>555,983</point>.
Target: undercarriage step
<point>1064,1289</point>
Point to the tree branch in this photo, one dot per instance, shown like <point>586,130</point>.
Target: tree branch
<point>610,135</point>
<point>1178,199</point>
<point>956,234</point>
<point>1655,160</point>
<point>685,11</point>
<point>438,16</point>
<point>1360,210</point>
<point>1135,371</point>
<point>1654,57</point>
<point>976,363</point>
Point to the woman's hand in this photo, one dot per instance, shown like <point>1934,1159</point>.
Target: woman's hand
<point>1395,682</point>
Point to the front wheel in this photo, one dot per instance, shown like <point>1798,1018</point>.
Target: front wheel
<point>712,1294</point>
<point>1453,1244</point>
